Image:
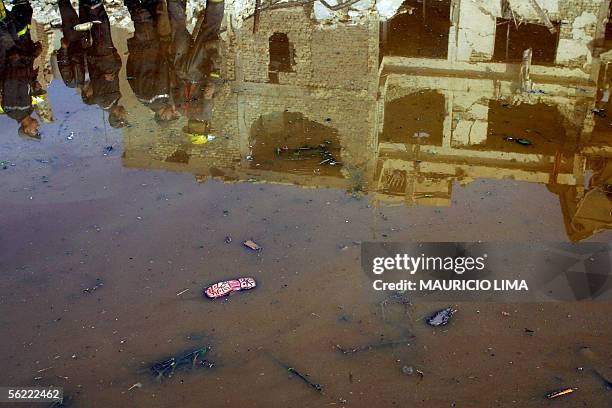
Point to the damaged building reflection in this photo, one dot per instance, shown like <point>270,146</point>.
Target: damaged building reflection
<point>402,102</point>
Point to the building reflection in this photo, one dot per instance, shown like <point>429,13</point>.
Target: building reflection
<point>339,102</point>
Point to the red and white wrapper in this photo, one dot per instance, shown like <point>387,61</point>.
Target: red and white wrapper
<point>224,288</point>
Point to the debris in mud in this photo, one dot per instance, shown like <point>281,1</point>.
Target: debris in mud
<point>225,288</point>
<point>600,112</point>
<point>182,291</point>
<point>441,317</point>
<point>559,393</point>
<point>303,377</point>
<point>367,347</point>
<point>188,361</point>
<point>519,140</point>
<point>308,152</point>
<point>409,371</point>
<point>252,245</point>
<point>529,331</point>
<point>202,139</point>
<point>98,285</point>
<point>137,385</point>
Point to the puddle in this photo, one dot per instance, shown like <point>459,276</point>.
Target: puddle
<point>141,155</point>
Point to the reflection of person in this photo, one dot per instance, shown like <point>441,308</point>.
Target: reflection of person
<point>200,70</point>
<point>18,75</point>
<point>147,67</point>
<point>71,55</point>
<point>103,63</point>
<point>91,47</point>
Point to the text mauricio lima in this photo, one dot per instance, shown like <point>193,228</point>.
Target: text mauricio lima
<point>453,285</point>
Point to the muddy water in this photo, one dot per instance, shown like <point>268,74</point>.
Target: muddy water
<point>146,210</point>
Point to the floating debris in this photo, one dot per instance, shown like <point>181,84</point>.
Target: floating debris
<point>519,140</point>
<point>225,288</point>
<point>303,377</point>
<point>441,317</point>
<point>97,286</point>
<point>406,370</point>
<point>252,245</point>
<point>188,361</point>
<point>308,152</point>
<point>559,393</point>
<point>409,371</point>
<point>137,385</point>
<point>182,291</point>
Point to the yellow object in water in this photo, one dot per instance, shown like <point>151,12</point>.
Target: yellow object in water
<point>198,139</point>
<point>559,393</point>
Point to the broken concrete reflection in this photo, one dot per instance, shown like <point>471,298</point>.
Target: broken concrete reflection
<point>150,139</point>
<point>448,119</point>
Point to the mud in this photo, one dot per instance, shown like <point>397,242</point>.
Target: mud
<point>110,231</point>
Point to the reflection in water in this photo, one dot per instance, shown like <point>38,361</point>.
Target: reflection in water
<point>293,95</point>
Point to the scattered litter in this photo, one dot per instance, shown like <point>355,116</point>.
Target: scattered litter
<point>182,291</point>
<point>348,351</point>
<point>441,317</point>
<point>4,164</point>
<point>421,135</point>
<point>70,136</point>
<point>225,288</point>
<point>529,331</point>
<point>249,157</point>
<point>202,139</point>
<point>98,285</point>
<point>308,152</point>
<point>188,361</point>
<point>559,393</point>
<point>108,150</point>
<point>252,245</point>
<point>303,377</point>
<point>409,370</point>
<point>406,370</point>
<point>521,141</point>
<point>137,385</point>
<point>228,239</point>
<point>600,112</point>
